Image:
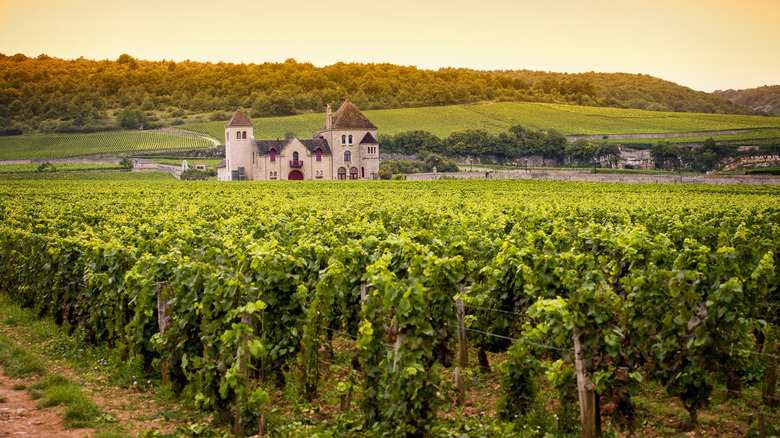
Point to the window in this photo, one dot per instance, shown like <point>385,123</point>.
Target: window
<point>238,135</point>
<point>362,172</point>
<point>243,135</point>
<point>347,156</point>
<point>318,153</point>
<point>343,139</point>
<point>342,173</point>
<point>350,139</point>
<point>295,156</point>
<point>272,154</point>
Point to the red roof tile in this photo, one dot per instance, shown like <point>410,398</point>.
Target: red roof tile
<point>349,117</point>
<point>239,119</point>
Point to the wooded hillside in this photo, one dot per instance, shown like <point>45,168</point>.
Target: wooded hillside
<point>46,94</point>
<point>766,98</point>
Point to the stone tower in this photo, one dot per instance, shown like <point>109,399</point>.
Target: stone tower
<point>353,140</point>
<point>239,148</point>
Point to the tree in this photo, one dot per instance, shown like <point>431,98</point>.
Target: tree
<point>555,144</point>
<point>581,151</point>
<point>131,117</point>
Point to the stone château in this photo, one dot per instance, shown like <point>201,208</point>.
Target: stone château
<point>345,148</point>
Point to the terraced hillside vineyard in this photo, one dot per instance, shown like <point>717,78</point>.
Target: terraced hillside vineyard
<point>498,117</point>
<point>47,146</point>
<point>659,285</point>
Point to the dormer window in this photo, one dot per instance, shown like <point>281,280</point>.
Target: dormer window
<point>272,154</point>
<point>318,154</point>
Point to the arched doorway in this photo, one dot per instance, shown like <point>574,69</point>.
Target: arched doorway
<point>295,175</point>
<point>353,173</point>
<point>342,173</point>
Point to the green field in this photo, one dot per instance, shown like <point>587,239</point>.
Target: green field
<point>88,176</point>
<point>78,145</point>
<point>497,117</point>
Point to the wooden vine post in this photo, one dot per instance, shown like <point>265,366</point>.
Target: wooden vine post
<point>463,352</point>
<point>589,411</point>
<point>163,290</point>
<point>242,357</point>
<point>346,399</point>
<point>770,378</point>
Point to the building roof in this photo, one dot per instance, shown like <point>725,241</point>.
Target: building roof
<point>239,119</point>
<point>263,146</point>
<point>222,164</point>
<point>349,117</point>
<point>368,139</point>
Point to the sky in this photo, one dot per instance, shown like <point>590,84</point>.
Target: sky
<point>702,44</point>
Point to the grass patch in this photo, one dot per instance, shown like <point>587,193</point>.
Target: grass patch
<point>17,362</point>
<point>107,434</point>
<point>19,387</point>
<point>58,391</point>
<point>52,341</point>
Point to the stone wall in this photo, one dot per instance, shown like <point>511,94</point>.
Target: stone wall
<point>584,176</point>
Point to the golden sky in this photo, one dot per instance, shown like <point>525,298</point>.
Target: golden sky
<point>702,44</point>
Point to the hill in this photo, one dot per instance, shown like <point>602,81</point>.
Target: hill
<point>766,98</point>
<point>440,121</point>
<point>498,117</point>
<point>46,94</point>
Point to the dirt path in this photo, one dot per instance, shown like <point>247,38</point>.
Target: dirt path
<point>20,417</point>
<point>126,410</point>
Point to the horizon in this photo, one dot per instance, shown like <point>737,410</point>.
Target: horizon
<point>704,45</point>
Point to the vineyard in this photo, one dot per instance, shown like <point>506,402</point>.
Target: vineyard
<point>46,146</point>
<point>87,176</point>
<point>61,167</point>
<point>566,296</point>
<point>498,117</point>
<point>753,137</point>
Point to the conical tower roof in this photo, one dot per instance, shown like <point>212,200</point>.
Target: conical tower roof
<point>239,119</point>
<point>349,117</point>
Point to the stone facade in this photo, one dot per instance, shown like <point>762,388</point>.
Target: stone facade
<point>345,148</point>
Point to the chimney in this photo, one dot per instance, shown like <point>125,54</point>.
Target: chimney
<point>328,118</point>
<point>314,135</point>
